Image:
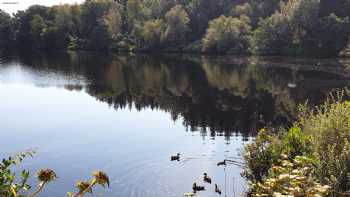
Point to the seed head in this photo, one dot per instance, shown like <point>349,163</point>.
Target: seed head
<point>101,178</point>
<point>46,175</point>
<point>83,185</point>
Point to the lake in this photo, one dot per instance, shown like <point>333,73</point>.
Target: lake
<point>127,114</point>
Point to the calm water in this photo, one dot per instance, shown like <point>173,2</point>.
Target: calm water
<point>126,115</point>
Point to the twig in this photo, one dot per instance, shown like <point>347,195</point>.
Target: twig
<point>40,188</point>
<point>81,193</point>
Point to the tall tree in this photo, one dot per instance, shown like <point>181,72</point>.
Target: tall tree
<point>176,21</point>
<point>6,30</point>
<point>228,33</point>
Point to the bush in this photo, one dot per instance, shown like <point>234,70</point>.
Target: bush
<point>321,135</point>
<point>228,33</point>
<point>267,148</point>
<point>329,124</point>
<point>291,179</point>
<point>284,31</point>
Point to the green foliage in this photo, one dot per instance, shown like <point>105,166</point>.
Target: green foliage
<point>228,33</point>
<point>6,30</point>
<point>283,32</point>
<point>296,143</point>
<point>322,135</point>
<point>260,156</point>
<point>176,24</point>
<point>262,9</point>
<point>267,148</point>
<point>8,185</point>
<point>13,186</point>
<point>113,20</point>
<point>239,10</point>
<point>329,124</point>
<point>277,27</point>
<point>38,29</point>
<point>151,32</point>
<point>329,26</point>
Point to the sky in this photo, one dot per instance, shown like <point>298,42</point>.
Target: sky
<point>12,6</point>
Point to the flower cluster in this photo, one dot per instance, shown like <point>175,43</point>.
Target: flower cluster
<point>291,179</point>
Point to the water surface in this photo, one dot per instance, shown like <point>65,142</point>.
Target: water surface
<point>127,114</point>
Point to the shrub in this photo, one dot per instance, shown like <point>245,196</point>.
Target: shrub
<point>228,33</point>
<point>329,124</point>
<point>265,151</point>
<point>284,31</point>
<point>291,179</point>
<point>322,136</point>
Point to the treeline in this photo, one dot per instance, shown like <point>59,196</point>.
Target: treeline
<point>263,27</point>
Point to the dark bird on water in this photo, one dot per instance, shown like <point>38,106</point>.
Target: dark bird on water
<point>196,187</point>
<point>222,163</point>
<point>206,178</point>
<point>217,190</point>
<point>176,157</point>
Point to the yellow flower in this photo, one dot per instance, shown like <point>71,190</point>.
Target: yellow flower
<point>262,130</point>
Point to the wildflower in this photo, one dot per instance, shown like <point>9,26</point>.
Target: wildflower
<point>101,178</point>
<point>262,130</point>
<point>84,185</point>
<point>46,175</point>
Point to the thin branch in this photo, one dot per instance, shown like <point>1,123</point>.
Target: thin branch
<point>40,188</point>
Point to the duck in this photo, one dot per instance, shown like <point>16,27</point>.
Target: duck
<point>206,178</point>
<point>196,188</point>
<point>222,163</point>
<point>175,157</point>
<point>217,190</point>
<point>292,85</point>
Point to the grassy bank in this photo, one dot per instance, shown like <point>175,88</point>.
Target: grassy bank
<point>312,158</point>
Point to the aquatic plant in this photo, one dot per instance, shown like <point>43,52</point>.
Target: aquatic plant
<point>13,186</point>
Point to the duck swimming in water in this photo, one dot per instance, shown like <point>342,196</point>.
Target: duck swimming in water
<point>221,163</point>
<point>196,188</point>
<point>176,157</point>
<point>206,178</point>
<point>217,190</point>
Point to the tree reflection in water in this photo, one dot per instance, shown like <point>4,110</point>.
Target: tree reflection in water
<point>223,95</point>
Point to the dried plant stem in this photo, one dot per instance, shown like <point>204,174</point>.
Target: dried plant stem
<point>40,188</point>
<point>81,194</point>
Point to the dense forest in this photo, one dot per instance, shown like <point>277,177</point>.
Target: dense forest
<point>262,27</point>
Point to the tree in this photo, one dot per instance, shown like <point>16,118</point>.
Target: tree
<point>240,10</point>
<point>262,9</point>
<point>134,13</point>
<point>24,36</point>
<point>94,32</point>
<point>6,30</point>
<point>329,27</point>
<point>228,33</point>
<point>38,29</point>
<point>63,25</point>
<point>284,31</point>
<point>113,20</point>
<point>176,21</point>
<point>151,33</point>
